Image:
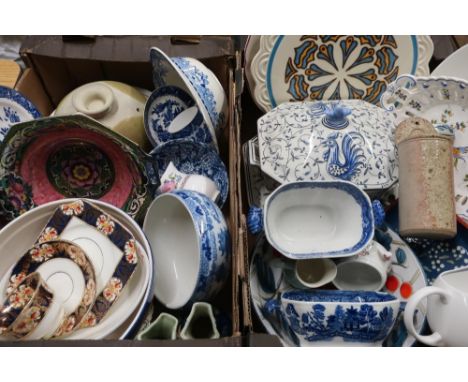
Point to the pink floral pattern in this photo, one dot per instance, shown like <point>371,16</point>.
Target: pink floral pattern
<point>67,326</point>
<point>89,320</point>
<point>15,280</point>
<point>29,320</point>
<point>105,224</point>
<point>131,252</point>
<point>21,296</point>
<point>113,289</point>
<point>42,253</point>
<point>74,208</point>
<point>48,234</point>
<point>90,293</point>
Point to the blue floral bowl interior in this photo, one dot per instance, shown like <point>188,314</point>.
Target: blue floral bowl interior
<point>338,296</point>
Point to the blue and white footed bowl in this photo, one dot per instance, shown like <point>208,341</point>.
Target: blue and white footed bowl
<point>195,78</point>
<point>194,158</point>
<point>163,107</point>
<point>191,247</point>
<point>14,108</point>
<point>335,318</point>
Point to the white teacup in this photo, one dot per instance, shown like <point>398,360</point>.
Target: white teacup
<point>365,271</point>
<point>304,274</point>
<point>173,179</point>
<point>447,310</point>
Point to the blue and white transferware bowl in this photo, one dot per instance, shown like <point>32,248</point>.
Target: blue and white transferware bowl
<point>336,318</point>
<point>306,220</point>
<point>191,246</point>
<point>329,140</point>
<point>170,113</point>
<point>14,108</point>
<point>195,78</point>
<point>194,158</point>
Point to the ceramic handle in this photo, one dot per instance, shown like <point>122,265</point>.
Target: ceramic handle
<point>379,213</point>
<point>435,339</point>
<point>255,220</point>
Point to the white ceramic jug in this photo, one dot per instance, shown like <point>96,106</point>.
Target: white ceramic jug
<point>447,310</point>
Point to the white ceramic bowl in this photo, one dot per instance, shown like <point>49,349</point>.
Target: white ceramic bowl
<point>133,301</point>
<point>304,220</point>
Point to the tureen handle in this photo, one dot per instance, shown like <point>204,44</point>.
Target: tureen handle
<point>255,220</point>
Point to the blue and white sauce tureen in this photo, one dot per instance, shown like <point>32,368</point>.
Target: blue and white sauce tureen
<point>329,140</point>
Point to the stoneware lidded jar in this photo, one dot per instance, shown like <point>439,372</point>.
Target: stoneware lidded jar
<point>427,204</point>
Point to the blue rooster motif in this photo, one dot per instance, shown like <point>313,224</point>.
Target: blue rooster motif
<point>352,152</point>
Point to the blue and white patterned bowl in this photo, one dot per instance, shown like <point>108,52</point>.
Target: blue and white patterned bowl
<point>306,220</point>
<point>195,78</point>
<point>191,247</point>
<point>335,318</point>
<point>165,105</point>
<point>14,108</point>
<point>194,158</point>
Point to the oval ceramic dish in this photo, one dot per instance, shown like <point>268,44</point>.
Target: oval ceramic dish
<point>306,220</point>
<point>329,140</point>
<point>267,281</point>
<point>314,67</point>
<point>192,76</point>
<point>128,312</point>
<point>75,156</point>
<point>14,108</point>
<point>444,102</point>
<point>194,158</point>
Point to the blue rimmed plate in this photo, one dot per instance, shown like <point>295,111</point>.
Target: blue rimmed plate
<point>194,158</point>
<point>14,108</point>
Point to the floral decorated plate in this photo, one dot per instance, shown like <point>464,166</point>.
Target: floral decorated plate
<point>266,281</point>
<point>349,140</point>
<point>126,314</point>
<point>436,256</point>
<point>110,247</point>
<point>14,108</point>
<point>68,273</point>
<point>194,158</point>
<point>316,67</point>
<point>200,82</point>
<point>75,156</point>
<point>444,102</point>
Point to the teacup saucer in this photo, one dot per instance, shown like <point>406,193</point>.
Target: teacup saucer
<point>69,274</point>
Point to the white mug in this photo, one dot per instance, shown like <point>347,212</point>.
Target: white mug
<point>365,271</point>
<point>174,179</point>
<point>310,273</point>
<point>447,310</point>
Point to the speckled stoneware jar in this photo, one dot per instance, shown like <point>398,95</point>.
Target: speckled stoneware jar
<point>427,205</point>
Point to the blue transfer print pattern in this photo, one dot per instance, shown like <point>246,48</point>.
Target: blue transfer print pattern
<point>194,158</point>
<point>360,198</point>
<point>215,251</point>
<point>12,107</point>
<point>163,106</point>
<point>329,140</point>
<point>255,220</point>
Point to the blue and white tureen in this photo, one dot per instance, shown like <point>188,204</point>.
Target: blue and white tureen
<point>329,140</point>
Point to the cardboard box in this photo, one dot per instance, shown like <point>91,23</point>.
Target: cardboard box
<point>57,65</point>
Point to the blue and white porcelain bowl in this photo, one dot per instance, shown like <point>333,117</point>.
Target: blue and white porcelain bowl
<point>200,82</point>
<point>335,318</point>
<point>171,113</point>
<point>306,220</point>
<point>191,246</point>
<point>14,108</point>
<point>193,158</point>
